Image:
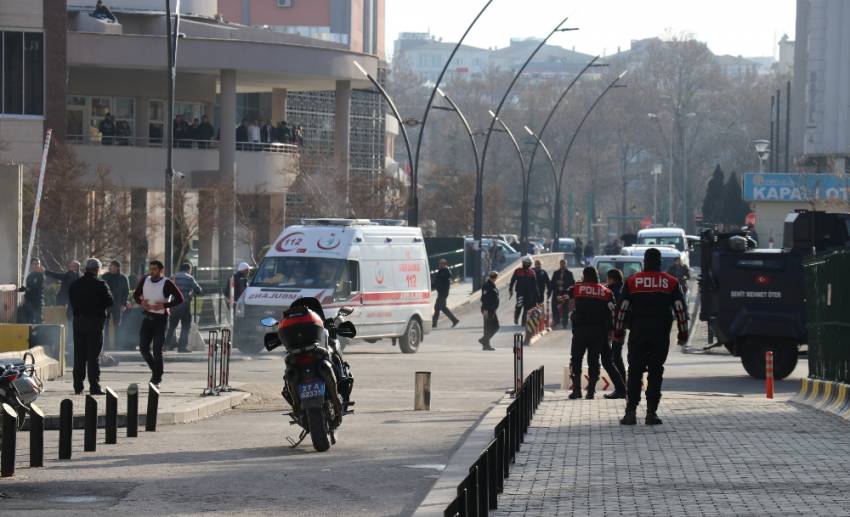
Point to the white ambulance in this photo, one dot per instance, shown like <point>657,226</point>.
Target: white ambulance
<point>379,269</point>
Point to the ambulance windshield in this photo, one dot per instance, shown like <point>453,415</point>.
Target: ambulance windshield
<point>300,272</point>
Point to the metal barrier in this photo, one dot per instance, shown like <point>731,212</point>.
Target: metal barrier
<point>219,346</point>
<point>478,493</point>
<point>518,342</point>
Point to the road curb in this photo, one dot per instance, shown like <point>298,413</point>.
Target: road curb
<point>826,396</point>
<point>192,411</point>
<point>445,489</point>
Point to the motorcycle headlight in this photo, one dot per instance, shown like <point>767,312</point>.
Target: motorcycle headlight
<point>240,309</point>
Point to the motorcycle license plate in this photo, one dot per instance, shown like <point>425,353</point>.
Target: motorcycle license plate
<point>311,390</point>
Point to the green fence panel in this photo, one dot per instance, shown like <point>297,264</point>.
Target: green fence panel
<point>827,278</point>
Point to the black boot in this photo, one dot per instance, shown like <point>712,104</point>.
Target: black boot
<point>629,418</point>
<point>652,419</point>
<point>590,394</point>
<point>616,395</point>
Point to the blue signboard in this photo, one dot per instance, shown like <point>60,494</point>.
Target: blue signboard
<point>760,186</point>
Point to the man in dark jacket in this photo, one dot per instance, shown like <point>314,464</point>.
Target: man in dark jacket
<point>119,286</point>
<point>615,284</point>
<point>524,282</point>
<point>442,284</point>
<point>489,308</point>
<point>240,280</point>
<point>647,305</point>
<point>543,282</point>
<point>33,294</point>
<point>592,321</point>
<point>242,136</point>
<point>205,133</point>
<point>90,300</point>
<point>182,313</point>
<point>562,279</point>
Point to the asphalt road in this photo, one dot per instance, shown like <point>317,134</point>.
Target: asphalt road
<point>387,455</point>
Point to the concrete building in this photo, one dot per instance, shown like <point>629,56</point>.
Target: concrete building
<point>89,67</point>
<point>426,55</point>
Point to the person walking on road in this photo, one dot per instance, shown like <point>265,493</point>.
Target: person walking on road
<point>489,309</point>
<point>33,290</point>
<point>182,313</point>
<point>442,284</point>
<point>562,280</point>
<point>90,300</point>
<point>65,280</point>
<point>592,322</point>
<point>524,282</point>
<point>544,285</point>
<point>156,294</point>
<point>615,284</point>
<point>646,308</point>
<point>119,286</point>
<point>682,274</point>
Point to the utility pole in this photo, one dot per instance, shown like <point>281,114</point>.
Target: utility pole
<point>656,171</point>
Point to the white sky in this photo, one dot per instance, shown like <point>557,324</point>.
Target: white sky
<point>738,27</point>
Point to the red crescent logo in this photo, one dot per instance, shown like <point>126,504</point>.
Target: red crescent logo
<point>328,243</point>
<point>289,242</point>
<point>379,276</point>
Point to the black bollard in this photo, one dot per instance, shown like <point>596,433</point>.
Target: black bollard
<point>132,410</point>
<point>10,430</point>
<point>66,421</point>
<point>36,436</point>
<point>153,407</point>
<point>111,416</point>
<point>90,433</point>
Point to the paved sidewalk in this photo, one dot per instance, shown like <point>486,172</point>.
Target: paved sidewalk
<point>714,455</point>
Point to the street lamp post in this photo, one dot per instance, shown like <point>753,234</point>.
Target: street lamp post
<point>523,171</point>
<point>551,114</point>
<point>656,171</point>
<point>669,144</point>
<point>613,84</point>
<point>413,197</point>
<point>498,111</point>
<point>171,48</point>
<point>685,215</point>
<point>415,161</point>
<point>763,152</point>
<point>556,217</point>
<point>479,198</point>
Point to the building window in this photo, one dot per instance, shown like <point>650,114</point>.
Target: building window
<point>22,73</point>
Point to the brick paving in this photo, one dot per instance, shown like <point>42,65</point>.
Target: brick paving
<point>714,455</point>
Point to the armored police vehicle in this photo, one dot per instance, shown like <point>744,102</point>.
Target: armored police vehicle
<point>753,299</point>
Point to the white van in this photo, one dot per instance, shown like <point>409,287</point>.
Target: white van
<point>674,237</point>
<point>381,271</point>
<point>668,253</point>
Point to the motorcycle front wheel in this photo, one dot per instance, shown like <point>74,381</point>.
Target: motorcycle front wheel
<point>318,429</point>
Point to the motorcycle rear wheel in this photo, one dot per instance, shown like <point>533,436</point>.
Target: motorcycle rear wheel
<point>318,429</point>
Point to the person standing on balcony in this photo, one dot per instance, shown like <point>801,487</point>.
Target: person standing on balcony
<point>242,136</point>
<point>193,132</point>
<point>181,132</point>
<point>299,136</point>
<point>107,129</point>
<point>267,132</point>
<point>206,131</point>
<point>284,132</point>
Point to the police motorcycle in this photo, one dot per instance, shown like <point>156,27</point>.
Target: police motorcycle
<point>317,382</point>
<point>19,386</point>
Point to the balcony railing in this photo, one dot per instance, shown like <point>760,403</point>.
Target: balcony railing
<point>131,141</point>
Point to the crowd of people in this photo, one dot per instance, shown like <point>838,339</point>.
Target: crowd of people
<point>251,135</point>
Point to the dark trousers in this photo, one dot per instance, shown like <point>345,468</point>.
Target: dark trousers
<point>491,326</point>
<point>440,306</point>
<point>594,341</point>
<point>181,314</point>
<point>522,307</point>
<point>617,359</point>
<point>88,343</point>
<point>647,352</point>
<point>110,337</point>
<point>153,332</point>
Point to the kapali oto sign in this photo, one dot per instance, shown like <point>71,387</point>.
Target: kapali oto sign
<point>795,187</point>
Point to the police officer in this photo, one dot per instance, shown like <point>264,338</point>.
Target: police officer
<point>562,279</point>
<point>524,282</point>
<point>89,299</point>
<point>592,321</point>
<point>648,303</point>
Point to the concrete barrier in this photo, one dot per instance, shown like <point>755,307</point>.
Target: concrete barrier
<point>828,396</point>
<point>46,367</point>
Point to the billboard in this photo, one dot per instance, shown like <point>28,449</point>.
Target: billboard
<point>759,186</point>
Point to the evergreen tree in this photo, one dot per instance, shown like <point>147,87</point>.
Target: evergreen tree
<point>712,204</point>
<point>735,209</point>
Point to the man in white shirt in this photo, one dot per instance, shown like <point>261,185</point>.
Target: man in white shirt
<point>156,294</point>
